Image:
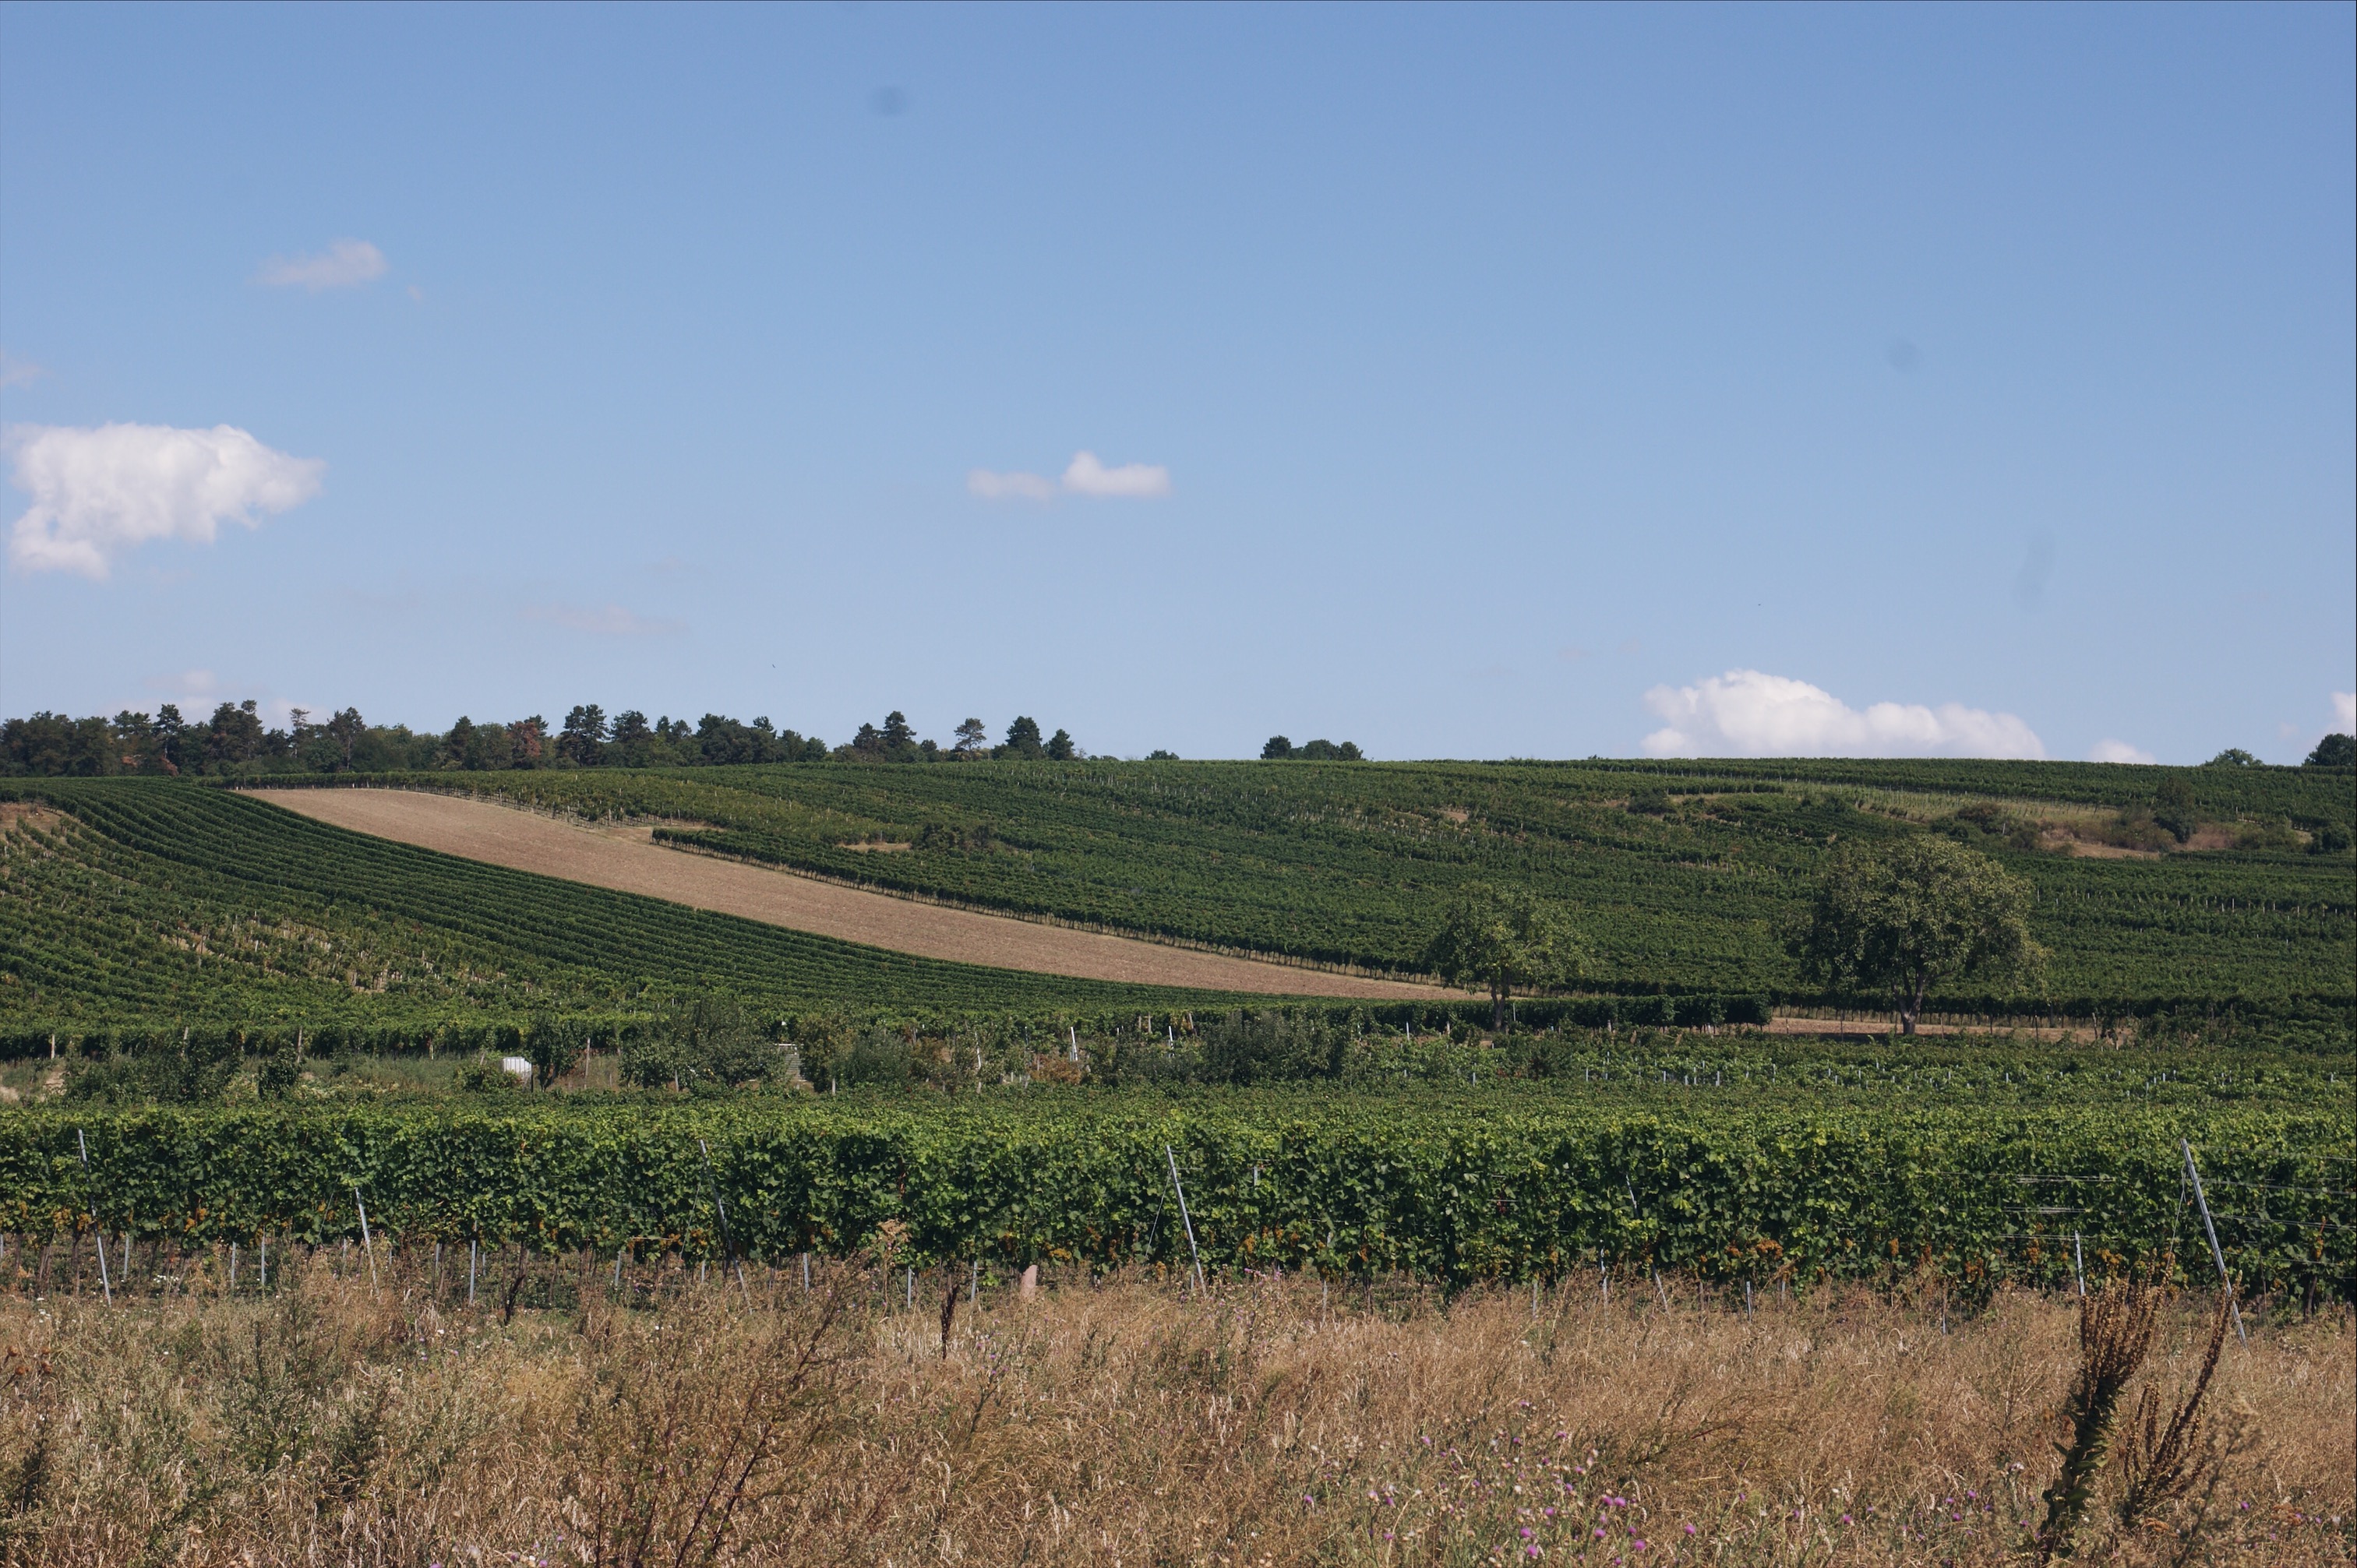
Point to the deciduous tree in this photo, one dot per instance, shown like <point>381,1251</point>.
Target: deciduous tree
<point>1503,937</point>
<point>1899,920</point>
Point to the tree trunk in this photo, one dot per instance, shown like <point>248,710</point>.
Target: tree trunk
<point>1498,1004</point>
<point>1911,1007</point>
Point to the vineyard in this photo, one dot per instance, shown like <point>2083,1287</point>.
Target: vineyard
<point>1682,875</point>
<point>1616,1133</point>
<point>154,905</point>
<point>1458,1188</point>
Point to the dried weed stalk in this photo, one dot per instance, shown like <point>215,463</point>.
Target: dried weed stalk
<point>2116,1329</point>
<point>2162,1464</point>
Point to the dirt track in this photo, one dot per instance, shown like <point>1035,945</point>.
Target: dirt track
<point>626,859</point>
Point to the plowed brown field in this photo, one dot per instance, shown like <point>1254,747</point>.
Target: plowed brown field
<point>626,859</point>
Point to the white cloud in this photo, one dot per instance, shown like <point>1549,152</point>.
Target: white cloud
<point>345,264</point>
<point>2120,751</point>
<point>1087,477</point>
<point>97,493</point>
<point>2344,713</point>
<point>603,620</point>
<point>17,372</point>
<point>1747,713</point>
<point>1009,486</point>
<point>1084,476</point>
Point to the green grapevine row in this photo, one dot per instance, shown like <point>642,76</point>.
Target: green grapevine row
<point>1345,863</point>
<point>164,904</point>
<point>1456,1191</point>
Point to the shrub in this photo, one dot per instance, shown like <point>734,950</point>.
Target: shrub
<point>878,1058</point>
<point>554,1046</point>
<point>278,1072</point>
<point>711,1043</point>
<point>486,1077</point>
<point>1269,1046</point>
<point>187,1069</point>
<point>2267,832</point>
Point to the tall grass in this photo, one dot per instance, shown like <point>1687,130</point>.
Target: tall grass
<point>1116,1421</point>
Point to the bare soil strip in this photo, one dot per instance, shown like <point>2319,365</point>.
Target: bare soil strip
<point>624,858</point>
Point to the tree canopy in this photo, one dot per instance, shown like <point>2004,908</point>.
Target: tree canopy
<point>1503,937</point>
<point>2333,751</point>
<point>1280,749</point>
<point>1901,919</point>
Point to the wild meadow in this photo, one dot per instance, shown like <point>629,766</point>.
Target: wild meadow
<point>356,1406</point>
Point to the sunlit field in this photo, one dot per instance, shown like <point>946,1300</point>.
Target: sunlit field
<point>359,1409</point>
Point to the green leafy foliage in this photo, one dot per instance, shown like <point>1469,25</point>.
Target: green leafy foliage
<point>485,1078</point>
<point>160,904</point>
<point>1502,937</point>
<point>1681,876</point>
<point>711,1043</point>
<point>1463,1188</point>
<point>1903,917</point>
<point>2333,751</point>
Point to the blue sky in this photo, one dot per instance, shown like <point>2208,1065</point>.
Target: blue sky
<point>1468,381</point>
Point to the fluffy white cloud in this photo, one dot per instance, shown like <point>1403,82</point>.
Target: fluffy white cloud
<point>1009,486</point>
<point>1087,477</point>
<point>345,264</point>
<point>2344,713</point>
<point>1747,713</point>
<point>2120,751</point>
<point>97,493</point>
<point>602,621</point>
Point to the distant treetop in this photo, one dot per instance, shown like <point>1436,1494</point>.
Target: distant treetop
<point>1280,749</point>
<point>2333,751</point>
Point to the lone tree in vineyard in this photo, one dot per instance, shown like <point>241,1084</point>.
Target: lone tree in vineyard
<point>1504,936</point>
<point>1902,918</point>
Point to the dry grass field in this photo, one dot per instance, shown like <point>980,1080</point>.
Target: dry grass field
<point>622,858</point>
<point>1121,1422</point>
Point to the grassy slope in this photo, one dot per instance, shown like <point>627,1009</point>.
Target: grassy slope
<point>159,903</point>
<point>1344,861</point>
